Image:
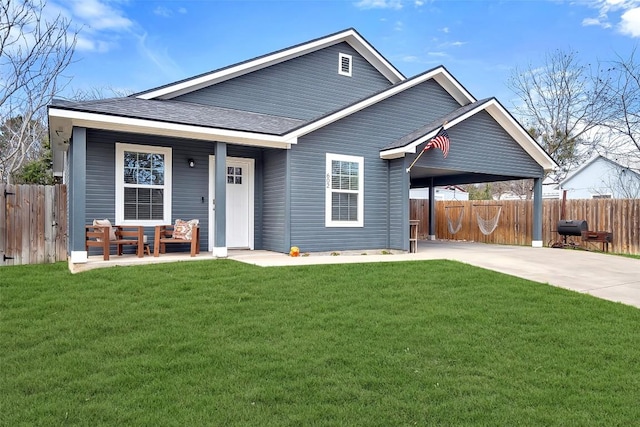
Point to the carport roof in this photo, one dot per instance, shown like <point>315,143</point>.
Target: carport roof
<point>433,126</point>
<point>409,143</point>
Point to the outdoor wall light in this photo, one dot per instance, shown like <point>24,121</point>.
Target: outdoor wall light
<point>192,163</point>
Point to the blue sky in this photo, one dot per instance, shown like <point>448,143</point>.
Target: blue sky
<point>134,45</point>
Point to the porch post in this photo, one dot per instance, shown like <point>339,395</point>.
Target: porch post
<point>536,242</point>
<point>220,194</point>
<point>432,210</point>
<point>77,196</point>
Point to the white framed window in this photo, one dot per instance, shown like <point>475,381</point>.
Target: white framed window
<point>143,184</point>
<point>344,197</point>
<point>344,64</point>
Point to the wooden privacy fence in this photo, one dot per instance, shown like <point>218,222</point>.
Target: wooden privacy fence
<point>466,220</point>
<point>33,224</point>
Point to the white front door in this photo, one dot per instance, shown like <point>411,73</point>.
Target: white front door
<point>239,178</point>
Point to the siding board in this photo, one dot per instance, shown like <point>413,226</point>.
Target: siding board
<point>302,88</point>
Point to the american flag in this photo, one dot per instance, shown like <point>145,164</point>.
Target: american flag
<point>441,141</point>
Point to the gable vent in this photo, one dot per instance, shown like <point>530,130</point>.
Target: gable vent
<point>344,64</point>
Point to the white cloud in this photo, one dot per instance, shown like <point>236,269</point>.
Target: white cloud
<point>445,30</point>
<point>588,22</point>
<point>104,26</point>
<point>99,16</point>
<point>156,54</point>
<point>89,45</point>
<point>630,22</point>
<point>399,26</point>
<point>379,4</point>
<point>418,3</point>
<point>628,12</point>
<point>162,11</point>
<point>99,25</point>
<point>410,58</point>
<point>165,12</point>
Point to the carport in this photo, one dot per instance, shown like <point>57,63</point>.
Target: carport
<point>486,144</point>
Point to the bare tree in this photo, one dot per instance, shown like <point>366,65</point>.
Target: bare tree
<point>623,101</point>
<point>95,93</point>
<point>34,52</point>
<point>561,105</point>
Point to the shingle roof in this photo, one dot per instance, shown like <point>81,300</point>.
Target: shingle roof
<point>434,125</point>
<point>186,113</point>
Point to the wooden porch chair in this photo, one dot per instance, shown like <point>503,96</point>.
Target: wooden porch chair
<point>166,234</point>
<point>105,236</point>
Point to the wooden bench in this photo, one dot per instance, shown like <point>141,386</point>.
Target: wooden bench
<point>98,236</point>
<point>164,236</point>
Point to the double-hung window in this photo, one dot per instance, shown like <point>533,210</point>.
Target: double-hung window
<point>344,198</point>
<point>143,184</point>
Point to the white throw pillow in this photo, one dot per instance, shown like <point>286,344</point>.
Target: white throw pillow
<point>106,223</point>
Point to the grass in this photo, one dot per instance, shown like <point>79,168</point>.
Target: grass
<point>390,344</point>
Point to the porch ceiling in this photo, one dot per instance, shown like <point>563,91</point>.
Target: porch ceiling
<point>421,177</point>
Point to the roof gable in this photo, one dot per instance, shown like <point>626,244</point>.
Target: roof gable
<point>590,164</point>
<point>304,88</point>
<point>439,75</point>
<point>409,143</point>
<point>349,36</point>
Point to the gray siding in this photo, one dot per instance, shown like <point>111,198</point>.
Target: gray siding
<point>273,218</point>
<point>302,88</point>
<point>361,134</point>
<point>398,205</point>
<point>480,145</point>
<point>190,198</point>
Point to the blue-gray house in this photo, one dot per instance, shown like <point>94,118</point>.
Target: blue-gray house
<point>307,146</point>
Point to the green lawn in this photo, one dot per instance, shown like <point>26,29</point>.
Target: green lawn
<point>220,343</point>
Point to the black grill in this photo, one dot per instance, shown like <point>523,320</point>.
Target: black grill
<point>572,227</point>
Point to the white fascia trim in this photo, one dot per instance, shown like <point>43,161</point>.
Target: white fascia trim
<point>365,103</point>
<point>455,89</point>
<point>374,58</point>
<point>127,124</point>
<point>349,36</point>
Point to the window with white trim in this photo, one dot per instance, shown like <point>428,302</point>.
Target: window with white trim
<point>143,184</point>
<point>344,197</point>
<point>344,64</point>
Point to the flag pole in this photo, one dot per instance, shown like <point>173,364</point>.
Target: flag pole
<point>415,160</point>
<point>422,152</point>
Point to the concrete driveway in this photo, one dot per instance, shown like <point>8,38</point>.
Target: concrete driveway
<point>610,277</point>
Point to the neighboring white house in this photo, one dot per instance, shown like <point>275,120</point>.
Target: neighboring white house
<point>549,191</point>
<point>452,192</point>
<point>601,178</point>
